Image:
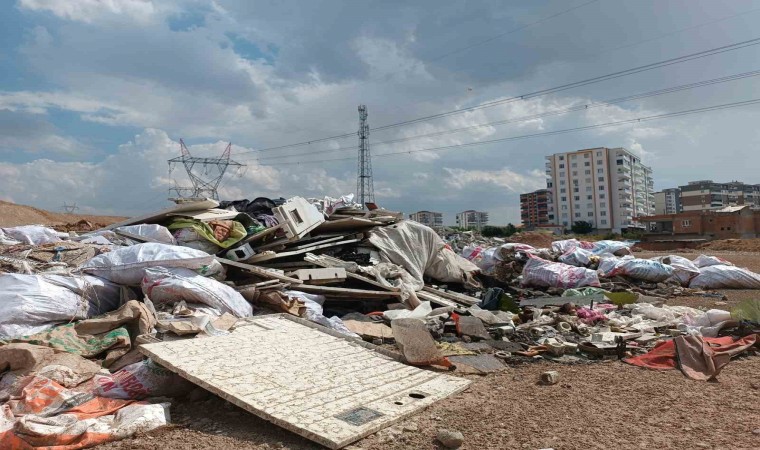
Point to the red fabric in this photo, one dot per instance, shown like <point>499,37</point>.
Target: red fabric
<point>664,357</point>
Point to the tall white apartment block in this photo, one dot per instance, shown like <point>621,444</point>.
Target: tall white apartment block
<point>608,187</point>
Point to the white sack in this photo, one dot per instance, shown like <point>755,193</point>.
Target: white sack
<point>576,257</point>
<point>707,261</point>
<point>33,303</point>
<point>151,231</point>
<point>169,285</point>
<point>127,265</point>
<point>542,273</point>
<point>637,269</point>
<point>315,313</point>
<point>683,269</point>
<point>420,251</point>
<point>31,234</point>
<point>487,258</point>
<point>714,277</point>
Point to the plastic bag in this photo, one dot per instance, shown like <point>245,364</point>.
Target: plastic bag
<point>541,273</point>
<point>163,285</point>
<point>188,237</point>
<point>140,380</point>
<point>707,261</point>
<point>714,277</point>
<point>617,248</point>
<point>576,257</point>
<point>31,234</point>
<point>314,312</point>
<point>33,303</point>
<point>127,265</point>
<point>637,269</point>
<point>154,232</point>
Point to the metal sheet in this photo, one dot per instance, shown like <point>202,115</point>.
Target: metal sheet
<point>329,389</point>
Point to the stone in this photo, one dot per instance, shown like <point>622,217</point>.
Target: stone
<point>756,431</point>
<point>450,438</point>
<point>549,378</point>
<point>411,426</point>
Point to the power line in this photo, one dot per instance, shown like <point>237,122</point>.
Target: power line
<point>546,133</point>
<point>540,115</point>
<point>610,76</point>
<point>522,27</point>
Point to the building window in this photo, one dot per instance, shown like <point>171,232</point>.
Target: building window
<point>561,157</point>
<point>604,221</point>
<point>598,154</point>
<point>562,182</point>
<point>564,215</point>
<point>601,195</point>
<point>562,174</point>
<point>603,213</point>
<point>585,155</point>
<point>577,214</point>
<point>575,189</point>
<point>587,164</point>
<point>575,173</point>
<point>561,166</point>
<point>574,165</point>
<point>564,223</point>
<point>589,197</point>
<point>598,162</point>
<point>564,207</point>
<point>602,205</point>
<point>564,199</point>
<point>562,191</point>
<point>601,188</point>
<point>591,214</point>
<point>601,178</point>
<point>599,170</point>
<point>588,172</point>
<point>686,223</point>
<point>619,162</point>
<point>573,156</point>
<point>589,205</point>
<point>577,198</point>
<point>588,180</point>
<point>589,188</point>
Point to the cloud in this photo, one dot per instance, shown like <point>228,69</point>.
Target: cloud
<point>89,11</point>
<point>23,132</point>
<point>505,178</point>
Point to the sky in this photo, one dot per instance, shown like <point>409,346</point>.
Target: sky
<point>95,95</point>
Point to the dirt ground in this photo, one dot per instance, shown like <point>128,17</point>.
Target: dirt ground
<point>12,215</point>
<point>608,405</point>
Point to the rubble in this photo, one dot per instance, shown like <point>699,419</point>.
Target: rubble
<point>205,273</point>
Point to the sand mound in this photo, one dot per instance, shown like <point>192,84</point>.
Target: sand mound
<point>12,215</point>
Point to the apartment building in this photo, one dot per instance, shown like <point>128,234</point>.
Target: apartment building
<point>608,187</point>
<point>534,209</point>
<point>429,218</point>
<point>667,201</point>
<point>472,219</point>
<point>707,195</point>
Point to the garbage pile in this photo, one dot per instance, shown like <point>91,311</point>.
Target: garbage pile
<point>76,307</point>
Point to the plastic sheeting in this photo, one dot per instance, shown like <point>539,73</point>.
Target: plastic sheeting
<point>420,251</point>
<point>127,265</point>
<point>714,277</point>
<point>542,273</point>
<point>162,285</point>
<point>31,234</point>
<point>33,303</point>
<point>487,258</point>
<point>706,261</point>
<point>315,313</point>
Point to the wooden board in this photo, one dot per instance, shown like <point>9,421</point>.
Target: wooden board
<point>267,256</point>
<point>257,270</point>
<point>328,389</point>
<point>163,214</point>
<point>345,292</point>
<point>455,296</point>
<point>347,224</point>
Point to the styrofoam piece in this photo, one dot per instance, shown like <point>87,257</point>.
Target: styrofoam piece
<point>298,217</point>
<point>310,381</point>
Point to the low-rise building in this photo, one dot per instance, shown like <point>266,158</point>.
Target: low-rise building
<point>733,222</point>
<point>534,209</point>
<point>429,218</point>
<point>472,219</point>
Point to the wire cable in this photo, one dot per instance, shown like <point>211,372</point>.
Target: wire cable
<point>546,133</point>
<point>583,107</point>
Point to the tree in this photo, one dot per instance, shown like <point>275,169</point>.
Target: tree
<point>491,231</point>
<point>509,230</point>
<point>582,227</point>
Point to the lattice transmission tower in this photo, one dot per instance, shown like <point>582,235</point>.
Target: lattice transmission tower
<point>365,189</point>
<point>205,173</point>
<point>69,209</point>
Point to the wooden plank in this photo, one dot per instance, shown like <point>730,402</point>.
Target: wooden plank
<point>163,214</point>
<point>267,256</point>
<point>325,261</point>
<point>457,297</point>
<point>440,301</point>
<point>338,389</point>
<point>345,292</point>
<point>345,224</point>
<point>257,270</point>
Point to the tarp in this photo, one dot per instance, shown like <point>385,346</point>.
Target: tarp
<point>418,249</point>
<point>698,358</point>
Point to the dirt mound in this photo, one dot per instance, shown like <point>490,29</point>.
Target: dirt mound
<point>736,245</point>
<point>538,239</point>
<point>12,215</point>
